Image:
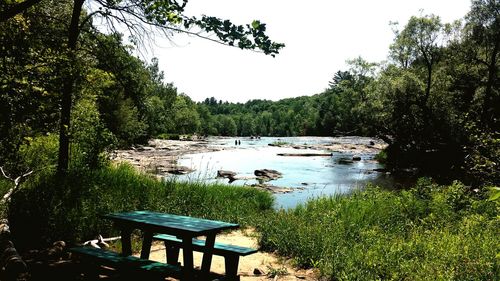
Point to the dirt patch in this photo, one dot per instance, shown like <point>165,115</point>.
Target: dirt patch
<point>258,266</point>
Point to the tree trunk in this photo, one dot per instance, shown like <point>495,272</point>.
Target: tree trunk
<point>68,86</point>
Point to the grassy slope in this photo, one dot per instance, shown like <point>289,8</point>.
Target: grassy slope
<point>48,209</point>
<point>429,233</point>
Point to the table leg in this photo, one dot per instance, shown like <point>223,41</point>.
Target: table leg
<point>208,253</point>
<point>146,245</point>
<point>126,239</point>
<point>187,252</point>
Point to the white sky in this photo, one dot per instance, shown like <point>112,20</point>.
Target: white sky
<point>320,35</point>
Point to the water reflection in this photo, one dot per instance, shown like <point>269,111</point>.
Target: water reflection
<point>309,176</point>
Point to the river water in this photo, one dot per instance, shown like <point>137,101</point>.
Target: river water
<point>309,177</point>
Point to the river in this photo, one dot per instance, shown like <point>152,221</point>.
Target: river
<point>308,177</point>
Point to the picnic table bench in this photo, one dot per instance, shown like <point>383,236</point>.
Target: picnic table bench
<point>231,253</point>
<point>183,230</point>
<point>130,267</point>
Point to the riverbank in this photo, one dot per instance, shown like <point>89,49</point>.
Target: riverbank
<point>428,232</point>
<point>160,157</point>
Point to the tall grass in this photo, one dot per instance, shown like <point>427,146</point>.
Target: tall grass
<point>429,233</point>
<point>49,208</point>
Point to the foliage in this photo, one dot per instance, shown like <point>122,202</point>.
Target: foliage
<point>71,24</point>
<point>40,153</point>
<point>51,208</point>
<point>429,232</point>
<point>483,153</point>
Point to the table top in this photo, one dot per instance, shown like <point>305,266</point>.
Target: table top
<point>168,223</point>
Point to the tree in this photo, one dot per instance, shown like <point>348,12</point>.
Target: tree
<point>137,15</point>
<point>482,45</point>
<point>10,8</point>
<point>29,77</point>
<point>186,118</point>
<point>419,40</point>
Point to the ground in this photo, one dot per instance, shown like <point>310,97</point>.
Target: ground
<point>267,263</point>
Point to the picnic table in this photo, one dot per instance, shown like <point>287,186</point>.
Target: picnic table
<point>183,227</point>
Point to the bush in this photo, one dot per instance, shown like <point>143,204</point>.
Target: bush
<point>51,208</point>
<point>40,153</point>
<point>169,136</point>
<point>430,232</point>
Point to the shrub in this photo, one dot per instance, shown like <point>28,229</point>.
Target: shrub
<point>427,233</point>
<point>40,153</point>
<point>169,136</point>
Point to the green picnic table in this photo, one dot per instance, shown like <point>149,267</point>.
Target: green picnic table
<point>184,227</point>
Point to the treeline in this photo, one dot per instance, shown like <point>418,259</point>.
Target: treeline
<point>436,100</point>
<point>60,75</point>
<point>120,99</point>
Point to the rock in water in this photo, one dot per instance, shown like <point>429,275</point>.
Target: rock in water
<point>225,174</point>
<point>267,174</point>
<point>356,158</point>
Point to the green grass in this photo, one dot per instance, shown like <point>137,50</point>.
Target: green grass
<point>429,233</point>
<point>49,209</point>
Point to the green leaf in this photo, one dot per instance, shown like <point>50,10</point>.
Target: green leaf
<point>255,24</point>
<point>495,194</point>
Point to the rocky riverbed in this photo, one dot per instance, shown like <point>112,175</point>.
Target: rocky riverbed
<point>160,156</point>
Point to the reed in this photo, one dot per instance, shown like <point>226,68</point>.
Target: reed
<point>428,233</point>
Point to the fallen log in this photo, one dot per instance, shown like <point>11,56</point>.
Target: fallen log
<point>305,154</point>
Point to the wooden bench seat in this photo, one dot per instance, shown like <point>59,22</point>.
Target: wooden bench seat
<point>129,266</point>
<point>231,253</point>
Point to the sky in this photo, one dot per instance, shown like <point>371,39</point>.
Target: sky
<point>320,35</point>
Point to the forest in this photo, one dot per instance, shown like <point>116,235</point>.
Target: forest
<point>435,100</point>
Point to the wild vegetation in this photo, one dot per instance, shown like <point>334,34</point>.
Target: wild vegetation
<point>434,101</point>
<point>429,232</point>
<point>70,93</point>
<point>49,208</point>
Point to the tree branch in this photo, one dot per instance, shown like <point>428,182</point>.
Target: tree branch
<point>17,182</point>
<point>13,10</point>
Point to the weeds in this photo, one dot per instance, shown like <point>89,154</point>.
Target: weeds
<point>431,232</point>
<point>50,208</point>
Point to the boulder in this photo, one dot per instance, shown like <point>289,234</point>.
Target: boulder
<point>267,174</point>
<point>225,174</point>
<point>356,158</point>
<point>344,161</point>
<point>179,170</point>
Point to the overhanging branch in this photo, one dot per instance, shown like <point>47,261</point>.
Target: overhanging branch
<point>15,9</point>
